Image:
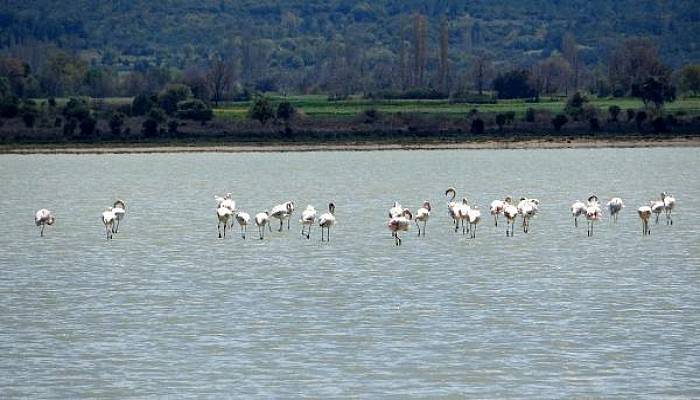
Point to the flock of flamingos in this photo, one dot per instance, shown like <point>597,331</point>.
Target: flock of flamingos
<point>400,220</point>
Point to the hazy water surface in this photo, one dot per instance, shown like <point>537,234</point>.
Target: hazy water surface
<point>167,309</point>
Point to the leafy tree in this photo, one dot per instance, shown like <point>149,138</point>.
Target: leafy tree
<point>514,85</point>
<point>70,126</point>
<point>594,124</point>
<point>633,62</point>
<point>657,92</point>
<point>500,121</point>
<point>173,124</point>
<point>285,111</point>
<point>261,110</point>
<point>659,125</point>
<point>76,108</point>
<point>142,104</point>
<point>477,127</point>
<point>219,78</point>
<point>87,127</point>
<point>9,107</point>
<point>530,115</point>
<point>630,114</point>
<point>29,113</point>
<point>157,114</point>
<point>640,118</point>
<point>559,121</point>
<point>690,79</point>
<point>150,127</point>
<point>575,105</point>
<point>173,94</point>
<point>195,110</point>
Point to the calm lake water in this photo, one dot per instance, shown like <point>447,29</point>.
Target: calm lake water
<point>168,309</point>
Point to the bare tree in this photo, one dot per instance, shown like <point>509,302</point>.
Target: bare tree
<point>419,49</point>
<point>443,67</point>
<point>219,77</point>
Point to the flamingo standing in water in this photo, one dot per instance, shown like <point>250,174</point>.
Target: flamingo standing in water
<point>243,220</point>
<point>400,224</point>
<point>669,204</point>
<point>308,218</point>
<point>224,216</point>
<point>474,217</point>
<point>511,213</point>
<point>497,207</point>
<point>283,212</point>
<point>657,207</point>
<point>593,213</point>
<point>577,209</point>
<point>615,205</point>
<point>462,211</point>
<point>452,206</point>
<point>42,218</point>
<point>527,208</point>
<point>422,215</point>
<point>645,214</point>
<point>261,220</point>
<point>327,221</point>
<point>119,210</point>
<point>108,218</point>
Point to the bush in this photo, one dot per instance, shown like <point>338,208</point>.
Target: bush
<point>87,127</point>
<point>659,124</point>
<point>150,127</point>
<point>286,111</point>
<point>559,121</point>
<point>510,116</point>
<point>575,106</point>
<point>261,110</point>
<point>70,126</point>
<point>530,115</point>
<point>640,118</point>
<point>630,114</point>
<point>116,122</point>
<point>477,127</point>
<point>157,114</point>
<point>142,104</point>
<point>9,107</point>
<point>29,119</point>
<point>410,94</point>
<point>52,102</point>
<point>76,108</point>
<point>58,122</point>
<point>614,112</point>
<point>173,124</point>
<point>195,110</point>
<point>172,95</point>
<point>500,121</point>
<point>594,124</point>
<point>371,115</point>
<point>514,85</point>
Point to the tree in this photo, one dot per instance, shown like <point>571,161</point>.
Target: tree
<point>150,127</point>
<point>481,71</point>
<point>219,78</point>
<point>285,111</point>
<point>551,75</point>
<point>640,118</point>
<point>443,66</point>
<point>614,112</point>
<point>632,63</point>
<point>172,95</point>
<point>142,104</point>
<point>87,127</point>
<point>261,110</point>
<point>513,85</point>
<point>116,122</point>
<point>195,110</point>
<point>419,49</point>
<point>559,121</point>
<point>569,48</point>
<point>29,113</point>
<point>574,106</point>
<point>657,92</point>
<point>477,127</point>
<point>500,121</point>
<point>76,108</point>
<point>630,114</point>
<point>690,79</point>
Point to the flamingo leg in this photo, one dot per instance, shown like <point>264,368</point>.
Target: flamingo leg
<point>42,230</point>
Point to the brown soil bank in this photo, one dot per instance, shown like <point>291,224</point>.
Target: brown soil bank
<point>413,144</point>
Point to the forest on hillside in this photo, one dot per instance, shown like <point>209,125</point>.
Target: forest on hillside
<point>222,49</point>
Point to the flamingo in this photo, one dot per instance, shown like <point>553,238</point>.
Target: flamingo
<point>644,214</point>
<point>261,220</point>
<point>400,224</point>
<point>422,215</point>
<point>669,204</point>
<point>243,220</point>
<point>511,213</point>
<point>224,215</point>
<point>615,205</point>
<point>451,206</point>
<point>327,220</point>
<point>593,212</point>
<point>462,209</point>
<point>283,212</point>
<point>657,207</point>
<point>119,210</point>
<point>308,217</point>
<point>527,208</point>
<point>108,218</point>
<point>396,210</point>
<point>474,217</point>
<point>228,202</point>
<point>577,209</point>
<point>496,209</point>
<point>42,218</point>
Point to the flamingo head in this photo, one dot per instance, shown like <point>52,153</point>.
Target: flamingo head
<point>593,198</point>
<point>508,200</point>
<point>407,213</point>
<point>228,196</point>
<point>427,206</point>
<point>331,208</point>
<point>464,200</point>
<point>452,191</point>
<point>523,198</point>
<point>51,220</point>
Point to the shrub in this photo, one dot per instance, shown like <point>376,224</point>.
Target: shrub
<point>52,102</point>
<point>157,114</point>
<point>173,124</point>
<point>510,116</point>
<point>172,95</point>
<point>530,115</point>
<point>142,104</point>
<point>70,126</point>
<point>614,112</point>
<point>371,115</point>
<point>640,118</point>
<point>559,121</point>
<point>630,114</point>
<point>58,122</point>
<point>477,127</point>
<point>500,121</point>
<point>29,118</point>
<point>195,110</point>
<point>116,121</point>
<point>575,106</point>
<point>261,110</point>
<point>87,127</point>
<point>594,124</point>
<point>76,108</point>
<point>9,107</point>
<point>286,111</point>
<point>150,127</point>
<point>659,125</point>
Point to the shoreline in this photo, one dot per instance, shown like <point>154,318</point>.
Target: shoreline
<point>279,147</point>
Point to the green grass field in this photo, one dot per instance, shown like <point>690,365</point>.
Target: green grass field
<point>319,106</point>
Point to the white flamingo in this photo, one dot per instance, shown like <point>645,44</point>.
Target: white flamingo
<point>308,218</point>
<point>527,208</point>
<point>593,212</point>
<point>396,210</point>
<point>261,220</point>
<point>42,218</point>
<point>224,216</point>
<point>452,206</point>
<point>108,218</point>
<point>645,214</point>
<point>283,212</point>
<point>577,209</point>
<point>657,207</point>
<point>327,221</point>
<point>243,220</point>
<point>423,215</point>
<point>462,211</point>
<point>400,224</point>
<point>474,217</point>
<point>615,205</point>
<point>669,204</point>
<point>496,209</point>
<point>119,210</point>
<point>511,213</point>
<point>228,202</point>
